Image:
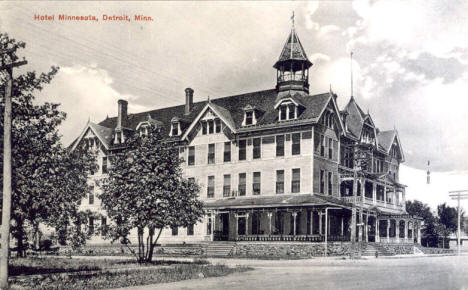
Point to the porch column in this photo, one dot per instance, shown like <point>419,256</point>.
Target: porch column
<point>312,222</point>
<point>269,214</point>
<point>406,231</point>
<point>388,230</point>
<point>246,224</point>
<point>367,227</point>
<point>419,232</point>
<point>385,194</point>
<point>320,222</point>
<point>236,230</point>
<point>294,215</point>
<point>394,197</point>
<point>374,193</point>
<point>397,230</point>
<point>342,226</point>
<point>377,230</point>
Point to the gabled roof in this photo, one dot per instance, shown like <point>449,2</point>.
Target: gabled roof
<point>222,113</point>
<point>355,118</point>
<point>104,134</point>
<point>292,50</point>
<point>386,139</point>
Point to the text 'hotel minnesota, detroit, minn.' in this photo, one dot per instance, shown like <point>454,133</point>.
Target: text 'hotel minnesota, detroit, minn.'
<point>274,166</point>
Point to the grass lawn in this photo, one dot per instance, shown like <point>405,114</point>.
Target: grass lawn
<point>58,273</point>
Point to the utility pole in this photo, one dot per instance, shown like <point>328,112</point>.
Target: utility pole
<point>6,206</point>
<point>457,195</point>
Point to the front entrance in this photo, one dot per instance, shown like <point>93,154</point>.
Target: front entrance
<point>223,233</point>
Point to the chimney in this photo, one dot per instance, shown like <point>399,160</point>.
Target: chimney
<point>188,100</point>
<point>122,117</point>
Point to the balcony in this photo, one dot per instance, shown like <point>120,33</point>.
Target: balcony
<point>370,201</point>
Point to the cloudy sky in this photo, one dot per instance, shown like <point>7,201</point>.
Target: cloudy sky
<point>410,64</point>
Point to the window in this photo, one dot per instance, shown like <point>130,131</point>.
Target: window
<point>283,113</point>
<point>91,195</point>
<point>191,155</point>
<point>211,153</point>
<point>322,145</point>
<point>322,181</point>
<point>279,145</point>
<point>291,114</point>
<point>330,183</point>
<point>218,125</point>
<point>256,185</point>
<point>91,225</point>
<point>296,143</point>
<point>190,230</point>
<point>210,127</point>
<point>296,180</point>
<point>175,231</point>
<point>279,181</point>
<point>227,185</point>
<point>249,118</point>
<point>103,226</point>
<point>204,128</point>
<point>175,129</point>
<point>210,187</point>
<point>242,181</point>
<point>104,165</point>
<point>242,149</point>
<point>227,151</point>
<point>330,148</point>
<point>257,149</point>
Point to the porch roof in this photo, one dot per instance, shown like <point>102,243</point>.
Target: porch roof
<point>393,213</point>
<point>292,200</point>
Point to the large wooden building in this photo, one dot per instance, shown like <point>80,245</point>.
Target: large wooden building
<point>276,165</point>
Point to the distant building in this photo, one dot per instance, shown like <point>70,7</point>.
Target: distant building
<point>275,165</point>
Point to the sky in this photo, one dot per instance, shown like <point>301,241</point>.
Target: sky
<point>410,62</point>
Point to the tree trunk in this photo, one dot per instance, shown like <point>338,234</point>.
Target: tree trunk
<point>152,244</point>
<point>141,246</point>
<point>37,239</point>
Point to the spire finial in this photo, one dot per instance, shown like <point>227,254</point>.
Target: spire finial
<point>209,99</point>
<point>292,19</point>
<point>351,57</point>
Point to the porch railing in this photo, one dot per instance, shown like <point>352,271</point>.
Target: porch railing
<point>292,238</point>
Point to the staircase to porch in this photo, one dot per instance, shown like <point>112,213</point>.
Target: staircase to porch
<point>369,250</point>
<point>220,249</point>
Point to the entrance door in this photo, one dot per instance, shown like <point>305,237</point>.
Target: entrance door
<point>241,226</point>
<point>225,223</point>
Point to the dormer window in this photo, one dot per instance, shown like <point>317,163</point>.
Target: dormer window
<point>119,137</point>
<point>143,131</point>
<point>287,111</point>
<point>175,128</point>
<point>249,118</point>
<point>250,115</point>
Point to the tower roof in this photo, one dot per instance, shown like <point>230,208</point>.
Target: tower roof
<point>293,51</point>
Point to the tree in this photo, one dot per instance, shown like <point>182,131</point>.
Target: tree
<point>145,191</point>
<point>447,221</point>
<point>48,181</point>
<point>429,235</point>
